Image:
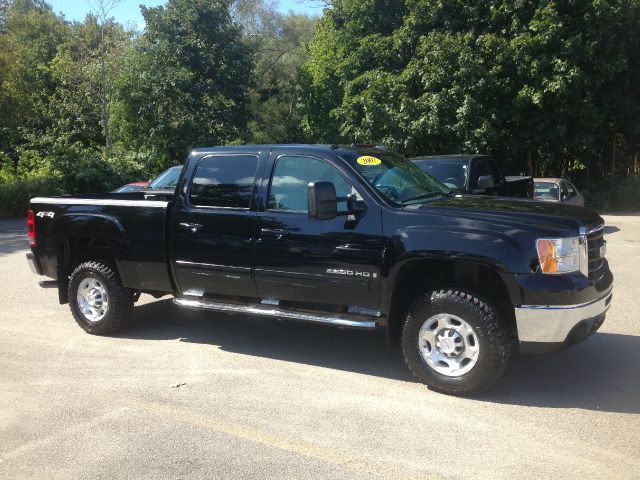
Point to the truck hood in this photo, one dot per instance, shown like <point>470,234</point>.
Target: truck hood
<point>508,213</point>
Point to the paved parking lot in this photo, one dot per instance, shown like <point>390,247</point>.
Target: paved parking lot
<point>182,394</point>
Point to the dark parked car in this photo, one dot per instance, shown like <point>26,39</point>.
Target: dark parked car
<point>475,174</point>
<point>166,180</point>
<point>347,236</point>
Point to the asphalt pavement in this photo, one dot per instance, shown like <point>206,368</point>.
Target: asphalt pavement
<point>183,394</point>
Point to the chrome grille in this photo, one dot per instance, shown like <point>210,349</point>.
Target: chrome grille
<point>595,240</point>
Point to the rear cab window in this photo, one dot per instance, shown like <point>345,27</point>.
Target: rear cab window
<point>546,190</point>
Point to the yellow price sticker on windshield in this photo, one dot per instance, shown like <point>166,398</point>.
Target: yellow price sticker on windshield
<point>369,161</point>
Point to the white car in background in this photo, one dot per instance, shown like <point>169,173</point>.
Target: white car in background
<point>557,190</point>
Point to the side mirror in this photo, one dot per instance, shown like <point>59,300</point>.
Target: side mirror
<point>322,201</point>
<point>564,197</point>
<point>356,207</point>
<point>485,181</point>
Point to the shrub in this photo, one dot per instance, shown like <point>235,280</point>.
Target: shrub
<point>615,194</point>
<point>15,196</point>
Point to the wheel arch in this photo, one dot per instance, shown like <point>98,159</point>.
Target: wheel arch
<point>419,275</point>
<point>74,250</point>
<point>85,236</point>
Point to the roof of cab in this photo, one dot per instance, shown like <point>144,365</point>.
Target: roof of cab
<point>452,158</point>
<point>252,148</point>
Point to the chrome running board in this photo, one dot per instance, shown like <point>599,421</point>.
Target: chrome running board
<point>269,311</point>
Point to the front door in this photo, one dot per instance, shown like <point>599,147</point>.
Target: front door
<point>213,229</point>
<point>331,262</point>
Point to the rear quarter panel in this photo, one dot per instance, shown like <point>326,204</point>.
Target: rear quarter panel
<point>134,230</point>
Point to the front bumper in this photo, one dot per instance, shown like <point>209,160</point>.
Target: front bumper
<point>553,327</point>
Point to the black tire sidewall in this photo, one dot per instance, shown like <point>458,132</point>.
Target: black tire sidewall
<point>479,316</point>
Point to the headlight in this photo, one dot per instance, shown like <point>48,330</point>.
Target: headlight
<point>563,255</point>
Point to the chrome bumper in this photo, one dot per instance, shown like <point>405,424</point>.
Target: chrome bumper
<point>552,324</point>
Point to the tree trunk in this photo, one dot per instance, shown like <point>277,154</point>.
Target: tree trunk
<point>612,170</point>
<point>532,171</point>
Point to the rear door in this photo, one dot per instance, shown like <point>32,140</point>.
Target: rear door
<point>213,228</point>
<point>330,262</point>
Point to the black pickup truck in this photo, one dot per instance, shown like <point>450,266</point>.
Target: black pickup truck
<point>354,237</point>
<point>475,174</point>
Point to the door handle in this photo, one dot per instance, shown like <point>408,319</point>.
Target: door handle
<point>276,233</point>
<point>191,227</point>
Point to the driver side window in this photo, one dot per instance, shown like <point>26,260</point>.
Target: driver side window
<point>479,170</point>
<point>290,180</point>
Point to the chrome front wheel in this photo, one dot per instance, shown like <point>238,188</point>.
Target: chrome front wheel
<point>448,344</point>
<point>455,342</point>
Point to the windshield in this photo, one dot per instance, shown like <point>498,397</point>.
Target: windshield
<point>453,174</point>
<point>397,179</point>
<point>167,179</point>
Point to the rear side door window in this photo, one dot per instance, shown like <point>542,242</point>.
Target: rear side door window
<point>224,181</point>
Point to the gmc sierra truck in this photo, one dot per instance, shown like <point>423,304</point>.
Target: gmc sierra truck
<point>354,237</point>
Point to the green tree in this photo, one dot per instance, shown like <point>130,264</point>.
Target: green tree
<point>30,34</point>
<point>544,86</point>
<point>85,69</point>
<point>185,82</point>
<point>279,47</point>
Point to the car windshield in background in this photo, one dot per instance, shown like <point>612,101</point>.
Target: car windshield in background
<point>547,190</point>
<point>396,178</point>
<point>167,179</point>
<point>453,174</point>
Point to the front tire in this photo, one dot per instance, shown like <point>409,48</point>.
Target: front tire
<point>98,301</point>
<point>454,342</point>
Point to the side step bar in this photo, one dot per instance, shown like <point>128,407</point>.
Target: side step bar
<point>270,311</point>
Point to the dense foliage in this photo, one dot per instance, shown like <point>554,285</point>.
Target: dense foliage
<point>91,105</point>
<point>548,87</point>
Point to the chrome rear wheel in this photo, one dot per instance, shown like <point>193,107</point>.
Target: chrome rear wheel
<point>98,300</point>
<point>92,299</point>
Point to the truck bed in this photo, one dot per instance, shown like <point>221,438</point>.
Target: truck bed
<point>131,225</point>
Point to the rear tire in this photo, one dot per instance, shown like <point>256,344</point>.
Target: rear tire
<point>454,342</point>
<point>98,301</point>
